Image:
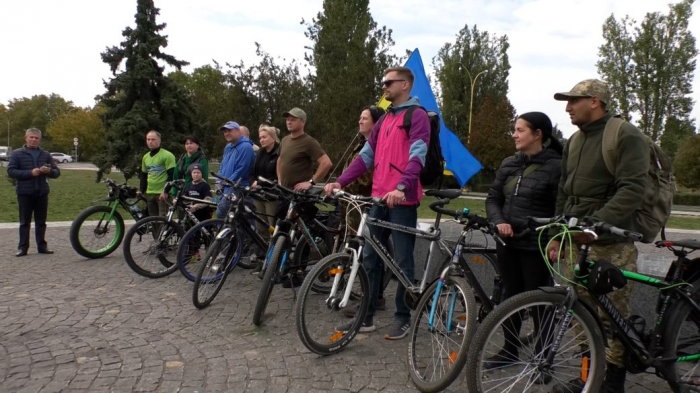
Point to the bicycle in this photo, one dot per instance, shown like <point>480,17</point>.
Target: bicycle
<point>227,248</point>
<point>98,230</point>
<point>318,314</point>
<point>298,242</point>
<point>159,237</point>
<point>564,321</point>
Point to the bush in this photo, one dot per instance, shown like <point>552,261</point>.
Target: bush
<point>686,199</point>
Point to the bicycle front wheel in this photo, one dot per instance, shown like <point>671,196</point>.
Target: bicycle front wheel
<point>318,315</point>
<point>279,252</point>
<point>681,340</point>
<point>440,333</point>
<point>194,246</point>
<point>96,233</point>
<point>500,360</point>
<point>150,247</point>
<point>215,267</point>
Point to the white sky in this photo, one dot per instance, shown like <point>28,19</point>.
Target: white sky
<point>50,46</point>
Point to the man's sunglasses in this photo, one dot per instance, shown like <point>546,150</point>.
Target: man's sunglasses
<point>390,82</point>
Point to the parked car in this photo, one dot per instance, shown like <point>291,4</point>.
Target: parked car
<point>5,153</point>
<point>62,158</point>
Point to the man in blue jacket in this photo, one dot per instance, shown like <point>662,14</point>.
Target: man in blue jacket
<point>237,162</point>
<point>31,167</point>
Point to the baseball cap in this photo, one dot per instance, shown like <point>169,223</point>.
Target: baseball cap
<point>587,88</point>
<point>295,112</point>
<point>198,167</point>
<point>231,125</point>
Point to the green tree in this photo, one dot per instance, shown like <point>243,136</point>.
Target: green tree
<point>687,163</point>
<point>650,67</point>
<point>349,53</point>
<point>474,56</point>
<point>140,97</point>
<point>492,127</point>
<point>38,111</point>
<point>84,124</point>
<point>675,133</point>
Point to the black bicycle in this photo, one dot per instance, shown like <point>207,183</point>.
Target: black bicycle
<point>235,241</point>
<point>570,337</point>
<point>300,240</point>
<point>150,245</point>
<point>98,230</point>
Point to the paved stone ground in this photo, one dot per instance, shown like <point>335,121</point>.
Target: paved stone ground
<point>71,324</point>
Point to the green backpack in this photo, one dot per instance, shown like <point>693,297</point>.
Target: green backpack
<point>652,216</point>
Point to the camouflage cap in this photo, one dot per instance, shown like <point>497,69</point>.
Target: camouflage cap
<point>587,88</point>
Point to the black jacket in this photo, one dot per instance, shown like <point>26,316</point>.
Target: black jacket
<point>535,195</point>
<point>20,168</point>
<point>266,163</point>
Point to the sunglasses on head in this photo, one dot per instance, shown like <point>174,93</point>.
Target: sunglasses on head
<point>390,82</point>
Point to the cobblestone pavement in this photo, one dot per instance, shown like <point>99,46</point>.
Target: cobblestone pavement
<point>71,324</point>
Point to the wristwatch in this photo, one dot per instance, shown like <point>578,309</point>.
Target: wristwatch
<point>401,187</point>
<point>313,183</point>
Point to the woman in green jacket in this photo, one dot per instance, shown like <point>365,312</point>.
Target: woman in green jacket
<point>193,155</point>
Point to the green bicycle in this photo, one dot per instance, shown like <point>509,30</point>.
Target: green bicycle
<point>567,338</point>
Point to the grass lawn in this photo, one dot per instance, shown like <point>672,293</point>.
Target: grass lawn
<point>76,190</point>
<point>71,193</point>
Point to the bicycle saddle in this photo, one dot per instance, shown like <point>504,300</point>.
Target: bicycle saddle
<point>685,243</point>
<point>450,194</point>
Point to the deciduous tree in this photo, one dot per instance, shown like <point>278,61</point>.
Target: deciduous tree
<point>650,67</point>
<point>687,164</point>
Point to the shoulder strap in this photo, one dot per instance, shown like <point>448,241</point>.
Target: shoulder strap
<point>408,117</point>
<point>508,188</point>
<point>574,149</point>
<point>611,135</point>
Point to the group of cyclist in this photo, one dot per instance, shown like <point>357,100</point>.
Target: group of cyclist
<point>542,179</point>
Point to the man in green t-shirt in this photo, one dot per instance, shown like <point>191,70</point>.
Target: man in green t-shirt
<point>157,168</point>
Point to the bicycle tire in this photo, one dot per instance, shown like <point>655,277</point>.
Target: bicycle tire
<point>432,374</point>
<point>313,310</point>
<point>195,242</point>
<point>207,286</point>
<point>143,240</point>
<point>535,302</point>
<point>115,226</point>
<point>269,278</point>
<point>681,338</point>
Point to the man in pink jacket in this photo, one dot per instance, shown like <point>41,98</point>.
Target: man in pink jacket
<point>397,156</point>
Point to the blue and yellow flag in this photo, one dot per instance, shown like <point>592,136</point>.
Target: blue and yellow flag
<point>458,160</point>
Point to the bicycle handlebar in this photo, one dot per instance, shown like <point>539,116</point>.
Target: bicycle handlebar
<point>289,191</point>
<point>373,200</point>
<point>587,223</point>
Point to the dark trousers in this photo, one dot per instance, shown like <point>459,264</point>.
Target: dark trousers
<point>38,205</point>
<point>403,254</point>
<point>521,271</point>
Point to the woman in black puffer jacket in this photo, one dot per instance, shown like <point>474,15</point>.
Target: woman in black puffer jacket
<point>526,185</point>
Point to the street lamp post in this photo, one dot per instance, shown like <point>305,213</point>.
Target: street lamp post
<point>472,81</point>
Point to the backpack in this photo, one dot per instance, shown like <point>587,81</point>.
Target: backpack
<point>434,161</point>
<point>658,195</point>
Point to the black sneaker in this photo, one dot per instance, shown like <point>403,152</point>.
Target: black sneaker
<point>503,358</point>
<point>398,330</point>
<point>350,310</point>
<point>366,327</point>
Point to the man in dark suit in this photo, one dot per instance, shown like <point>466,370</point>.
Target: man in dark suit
<point>31,167</point>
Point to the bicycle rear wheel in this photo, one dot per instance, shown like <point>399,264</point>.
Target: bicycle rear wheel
<point>217,263</point>
<point>194,246</point>
<point>318,314</point>
<point>681,339</point>
<point>440,332</point>
<point>498,360</point>
<point>150,247</point>
<point>279,252</point>
<point>94,234</point>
